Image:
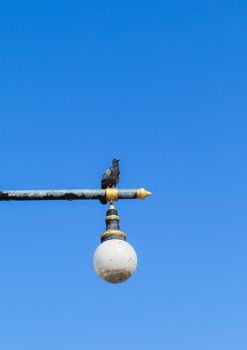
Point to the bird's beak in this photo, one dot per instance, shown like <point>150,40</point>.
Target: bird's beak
<point>118,160</point>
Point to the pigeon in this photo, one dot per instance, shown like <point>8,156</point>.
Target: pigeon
<point>111,177</point>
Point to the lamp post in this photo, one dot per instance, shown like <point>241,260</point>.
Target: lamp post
<point>115,260</point>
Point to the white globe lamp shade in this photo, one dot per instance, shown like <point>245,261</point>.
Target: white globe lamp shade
<point>115,260</point>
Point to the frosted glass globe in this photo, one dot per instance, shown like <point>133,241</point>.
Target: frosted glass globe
<point>115,260</point>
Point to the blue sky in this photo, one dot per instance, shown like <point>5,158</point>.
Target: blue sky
<point>162,86</point>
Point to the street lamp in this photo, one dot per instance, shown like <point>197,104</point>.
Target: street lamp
<point>115,260</point>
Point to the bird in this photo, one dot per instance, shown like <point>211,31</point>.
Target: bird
<point>111,177</point>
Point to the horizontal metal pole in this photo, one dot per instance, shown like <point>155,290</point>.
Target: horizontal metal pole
<point>110,194</point>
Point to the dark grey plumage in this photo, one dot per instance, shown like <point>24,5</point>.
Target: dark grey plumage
<point>111,177</point>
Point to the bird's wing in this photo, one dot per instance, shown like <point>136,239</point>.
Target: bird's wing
<point>107,173</point>
<point>105,178</point>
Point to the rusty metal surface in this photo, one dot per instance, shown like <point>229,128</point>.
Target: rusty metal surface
<point>51,194</point>
<point>80,194</point>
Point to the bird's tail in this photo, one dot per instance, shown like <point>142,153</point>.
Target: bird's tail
<point>103,201</point>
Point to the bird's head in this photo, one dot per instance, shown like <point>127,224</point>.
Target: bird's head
<point>115,161</point>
